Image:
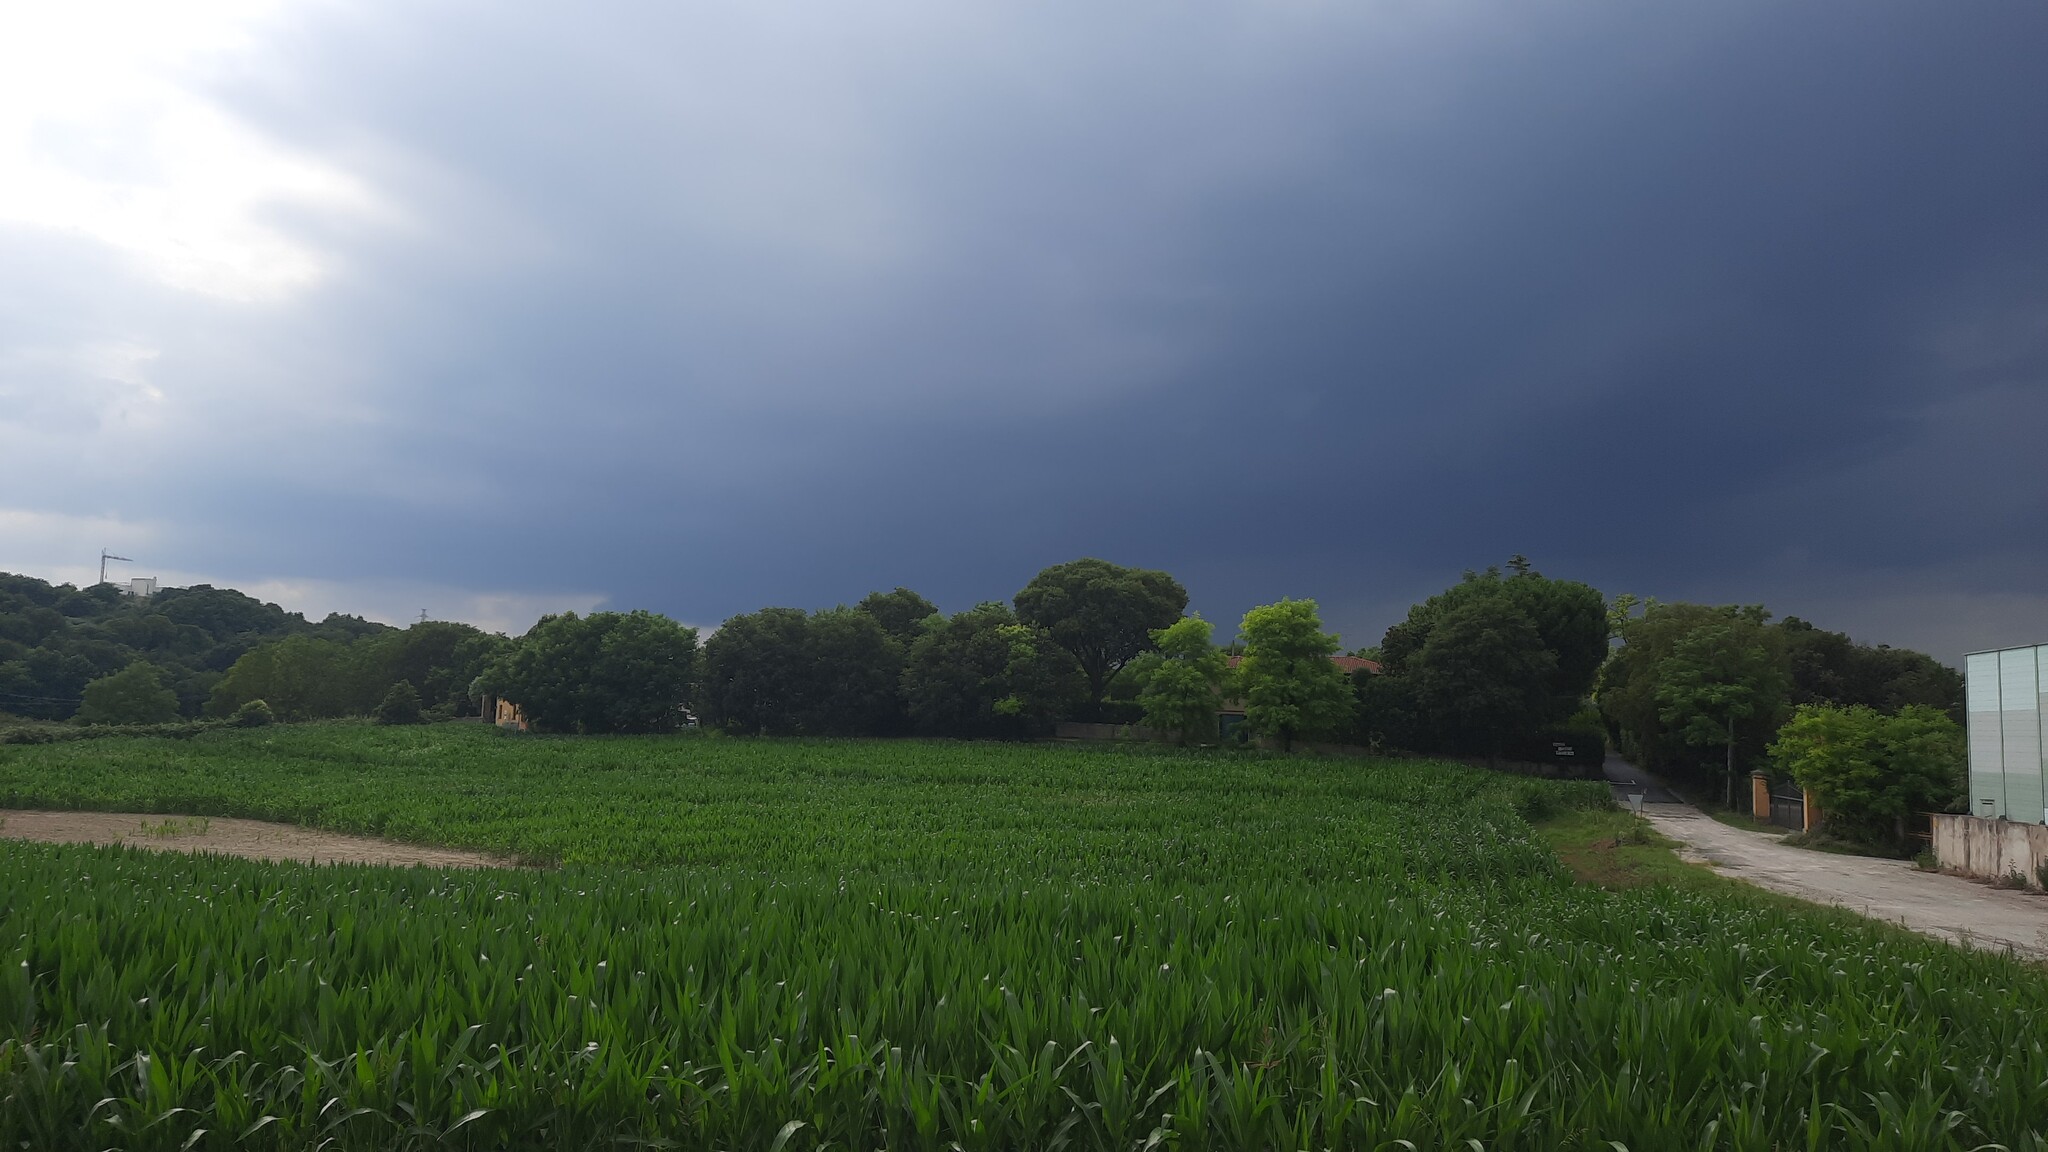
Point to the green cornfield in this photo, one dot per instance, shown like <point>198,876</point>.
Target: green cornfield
<point>747,944</point>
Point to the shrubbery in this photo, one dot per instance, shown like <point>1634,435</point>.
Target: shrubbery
<point>401,705</point>
<point>1871,771</point>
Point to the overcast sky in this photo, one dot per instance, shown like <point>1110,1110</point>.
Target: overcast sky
<point>492,309</point>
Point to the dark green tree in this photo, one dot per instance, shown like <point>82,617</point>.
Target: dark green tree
<point>1101,614</point>
<point>1571,619</point>
<point>852,674</point>
<point>302,678</point>
<point>401,705</point>
<point>1389,714</point>
<point>755,678</point>
<point>983,673</point>
<point>901,613</point>
<point>1290,688</point>
<point>1485,674</point>
<point>134,695</point>
<point>605,672</point>
<point>1830,668</point>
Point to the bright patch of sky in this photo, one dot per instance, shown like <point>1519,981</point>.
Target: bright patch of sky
<point>107,132</point>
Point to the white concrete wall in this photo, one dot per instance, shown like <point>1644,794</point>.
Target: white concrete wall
<point>1993,849</point>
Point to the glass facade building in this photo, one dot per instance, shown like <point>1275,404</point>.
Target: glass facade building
<point>2006,693</point>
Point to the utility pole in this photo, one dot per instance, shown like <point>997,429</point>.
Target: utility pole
<point>423,615</point>
<point>106,556</point>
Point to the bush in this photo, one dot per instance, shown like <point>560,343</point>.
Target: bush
<point>254,714</point>
<point>53,734</point>
<point>134,695</point>
<point>1872,771</point>
<point>401,705</point>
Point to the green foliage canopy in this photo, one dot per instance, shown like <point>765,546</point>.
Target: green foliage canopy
<point>134,695</point>
<point>1101,614</point>
<point>902,613</point>
<point>1570,620</point>
<point>783,672</point>
<point>1485,672</point>
<point>983,673</point>
<point>401,705</point>
<point>1291,689</point>
<point>605,672</point>
<point>1185,684</point>
<point>1871,771</point>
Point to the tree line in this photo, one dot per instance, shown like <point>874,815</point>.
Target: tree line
<point>1501,664</point>
<point>56,639</point>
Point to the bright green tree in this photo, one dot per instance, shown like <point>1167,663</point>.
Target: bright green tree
<point>1722,675</point>
<point>134,695</point>
<point>1485,674</point>
<point>1101,614</point>
<point>1871,771</point>
<point>1184,684</point>
<point>1291,689</point>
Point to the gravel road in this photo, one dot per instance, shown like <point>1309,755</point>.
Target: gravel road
<point>1947,907</point>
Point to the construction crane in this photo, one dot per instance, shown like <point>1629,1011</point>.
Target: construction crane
<point>106,556</point>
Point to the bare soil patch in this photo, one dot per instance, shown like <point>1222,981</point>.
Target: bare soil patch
<point>254,839</point>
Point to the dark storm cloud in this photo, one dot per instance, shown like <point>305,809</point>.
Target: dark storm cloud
<point>712,310</point>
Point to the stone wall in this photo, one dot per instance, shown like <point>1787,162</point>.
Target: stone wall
<point>1992,849</point>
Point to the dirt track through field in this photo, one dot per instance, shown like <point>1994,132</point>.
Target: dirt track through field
<point>254,839</point>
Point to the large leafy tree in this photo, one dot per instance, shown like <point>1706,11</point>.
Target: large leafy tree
<point>1872,771</point>
<point>1485,673</point>
<point>1627,690</point>
<point>134,695</point>
<point>1101,614</point>
<point>1829,668</point>
<point>1727,673</point>
<point>1184,685</point>
<point>1570,618</point>
<point>755,679</point>
<point>781,671</point>
<point>1291,689</point>
<point>901,613</point>
<point>301,678</point>
<point>605,672</point>
<point>439,658</point>
<point>984,673</point>
<point>852,672</point>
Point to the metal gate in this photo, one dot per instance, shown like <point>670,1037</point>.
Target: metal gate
<point>1789,811</point>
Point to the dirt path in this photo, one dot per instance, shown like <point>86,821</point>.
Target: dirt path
<point>255,839</point>
<point>1947,907</point>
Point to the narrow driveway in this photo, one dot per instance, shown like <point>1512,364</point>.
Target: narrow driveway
<point>1947,907</point>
